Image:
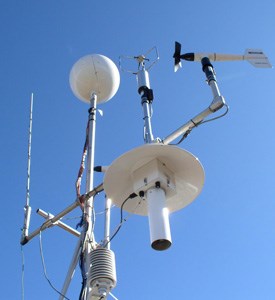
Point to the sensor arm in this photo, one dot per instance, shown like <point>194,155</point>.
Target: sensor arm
<point>49,222</point>
<point>217,103</point>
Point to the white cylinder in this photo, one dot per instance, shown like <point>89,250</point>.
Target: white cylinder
<point>158,219</point>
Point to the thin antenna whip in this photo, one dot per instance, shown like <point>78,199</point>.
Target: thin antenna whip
<point>29,154</point>
<point>27,207</point>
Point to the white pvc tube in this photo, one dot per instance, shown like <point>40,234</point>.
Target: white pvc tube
<point>158,219</point>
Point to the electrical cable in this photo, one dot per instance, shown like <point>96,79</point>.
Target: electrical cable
<point>84,279</point>
<point>82,164</point>
<point>22,275</point>
<point>215,118</point>
<point>44,268</point>
<point>185,135</point>
<point>122,220</point>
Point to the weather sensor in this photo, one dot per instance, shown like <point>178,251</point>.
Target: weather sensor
<point>152,180</point>
<point>254,56</point>
<point>164,178</point>
<point>96,74</point>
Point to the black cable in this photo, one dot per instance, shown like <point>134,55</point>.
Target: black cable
<point>84,279</point>
<point>44,267</point>
<point>185,135</point>
<point>133,195</point>
<point>23,275</point>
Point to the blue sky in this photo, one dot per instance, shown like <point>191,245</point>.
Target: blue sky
<point>223,243</point>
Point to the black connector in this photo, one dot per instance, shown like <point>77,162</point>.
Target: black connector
<point>133,195</point>
<point>141,194</point>
<point>157,184</point>
<point>147,93</point>
<point>207,68</point>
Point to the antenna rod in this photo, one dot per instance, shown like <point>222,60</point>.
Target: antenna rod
<point>27,207</point>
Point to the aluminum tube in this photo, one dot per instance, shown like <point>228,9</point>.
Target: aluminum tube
<point>72,267</point>
<point>149,138</point>
<point>158,219</point>
<point>91,146</point>
<point>143,78</point>
<point>189,125</point>
<point>59,223</point>
<point>48,223</point>
<point>107,222</point>
<point>64,212</point>
<point>143,82</point>
<point>214,88</point>
<point>88,205</point>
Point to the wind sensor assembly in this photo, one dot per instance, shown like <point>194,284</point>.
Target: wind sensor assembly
<point>254,56</point>
<point>153,180</point>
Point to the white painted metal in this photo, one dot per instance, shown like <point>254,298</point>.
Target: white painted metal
<point>108,204</point>
<point>102,277</point>
<point>255,56</point>
<point>94,73</point>
<point>188,173</point>
<point>158,214</point>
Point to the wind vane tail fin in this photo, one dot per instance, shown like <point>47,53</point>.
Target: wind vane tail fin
<point>257,58</point>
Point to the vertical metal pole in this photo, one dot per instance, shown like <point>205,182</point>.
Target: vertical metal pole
<point>108,204</point>
<point>88,207</point>
<point>143,87</point>
<point>87,237</point>
<point>210,76</point>
<point>27,207</point>
<point>72,267</point>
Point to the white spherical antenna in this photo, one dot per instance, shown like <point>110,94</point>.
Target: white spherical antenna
<point>180,174</point>
<point>94,73</point>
